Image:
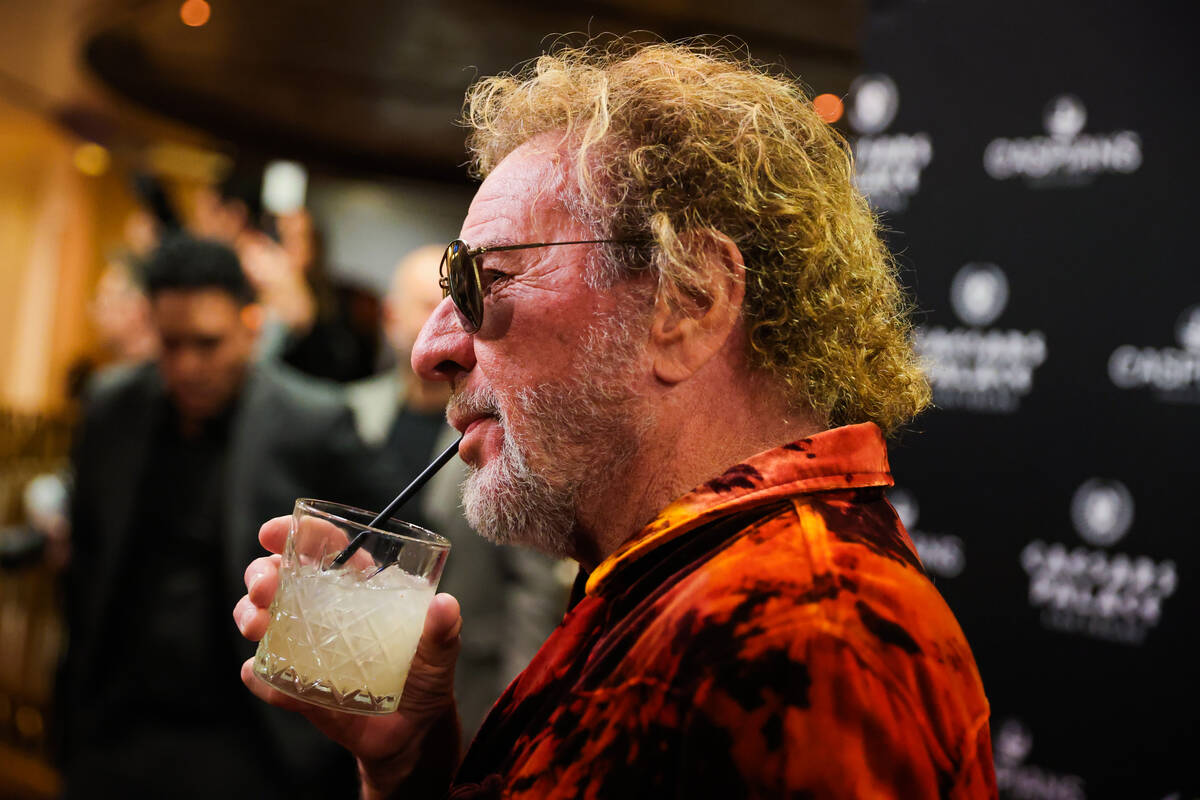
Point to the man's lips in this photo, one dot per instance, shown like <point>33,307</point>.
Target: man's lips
<point>476,431</point>
<point>475,423</point>
<point>466,423</point>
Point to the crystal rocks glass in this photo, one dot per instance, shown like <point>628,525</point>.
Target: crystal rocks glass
<point>344,637</point>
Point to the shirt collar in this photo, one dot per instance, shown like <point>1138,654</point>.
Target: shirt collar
<point>850,457</point>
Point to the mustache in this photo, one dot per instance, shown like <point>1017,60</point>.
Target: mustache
<point>474,402</point>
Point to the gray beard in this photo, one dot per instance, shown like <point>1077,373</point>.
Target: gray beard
<point>578,434</point>
<point>508,503</point>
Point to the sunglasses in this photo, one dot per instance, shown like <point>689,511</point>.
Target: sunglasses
<point>462,280</point>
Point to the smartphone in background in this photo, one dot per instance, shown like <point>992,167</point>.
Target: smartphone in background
<point>284,186</point>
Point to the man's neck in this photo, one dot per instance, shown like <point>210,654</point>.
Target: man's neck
<point>192,428</point>
<point>693,441</point>
<point>193,425</point>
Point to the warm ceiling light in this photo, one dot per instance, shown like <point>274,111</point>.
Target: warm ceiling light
<point>92,159</point>
<point>829,107</point>
<point>194,13</point>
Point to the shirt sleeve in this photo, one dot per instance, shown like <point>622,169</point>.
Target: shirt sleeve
<point>816,719</point>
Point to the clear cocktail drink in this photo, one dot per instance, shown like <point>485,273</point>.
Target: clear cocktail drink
<point>344,637</point>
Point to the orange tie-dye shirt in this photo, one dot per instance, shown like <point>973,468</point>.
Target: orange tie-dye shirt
<point>770,634</point>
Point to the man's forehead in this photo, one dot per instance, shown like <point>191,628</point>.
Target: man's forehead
<point>521,189</point>
<point>184,306</point>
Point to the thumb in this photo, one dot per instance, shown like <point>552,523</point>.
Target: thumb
<point>430,686</point>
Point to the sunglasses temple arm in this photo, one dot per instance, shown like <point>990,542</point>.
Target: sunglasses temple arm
<point>530,245</point>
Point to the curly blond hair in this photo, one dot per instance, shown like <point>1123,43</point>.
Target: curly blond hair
<point>673,140</point>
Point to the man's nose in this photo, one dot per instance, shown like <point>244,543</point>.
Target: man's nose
<point>444,350</point>
<point>187,362</point>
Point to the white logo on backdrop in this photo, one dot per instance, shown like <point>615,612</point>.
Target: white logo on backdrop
<point>888,167</point>
<point>1065,116</point>
<point>1102,511</point>
<point>1115,597</point>
<point>906,507</point>
<point>1014,741</point>
<point>1012,744</point>
<point>1172,373</point>
<point>1066,156</point>
<point>979,293</point>
<point>1187,329</point>
<point>874,102</point>
<point>976,368</point>
<point>942,555</point>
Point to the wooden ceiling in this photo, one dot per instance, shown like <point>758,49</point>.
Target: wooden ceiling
<point>354,86</point>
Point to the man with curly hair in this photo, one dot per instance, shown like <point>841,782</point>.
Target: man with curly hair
<point>675,343</point>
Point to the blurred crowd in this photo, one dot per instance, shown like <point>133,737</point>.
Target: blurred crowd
<point>234,374</point>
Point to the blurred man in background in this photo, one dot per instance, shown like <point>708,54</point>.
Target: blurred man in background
<point>311,322</point>
<point>396,409</point>
<point>511,598</point>
<point>175,464</point>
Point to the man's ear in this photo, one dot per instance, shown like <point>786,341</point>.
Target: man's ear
<point>252,317</point>
<point>688,329</point>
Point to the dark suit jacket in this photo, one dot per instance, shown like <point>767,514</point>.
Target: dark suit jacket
<point>291,437</point>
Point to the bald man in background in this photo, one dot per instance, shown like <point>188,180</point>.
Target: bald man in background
<point>511,598</point>
<point>396,409</point>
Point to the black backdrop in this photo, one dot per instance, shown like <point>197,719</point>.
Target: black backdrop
<point>1036,165</point>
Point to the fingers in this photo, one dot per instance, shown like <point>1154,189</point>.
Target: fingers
<point>251,613</point>
<point>362,561</point>
<point>318,540</point>
<point>265,692</point>
<point>273,533</point>
<point>251,620</point>
<point>443,621</point>
<point>430,686</point>
<point>262,579</point>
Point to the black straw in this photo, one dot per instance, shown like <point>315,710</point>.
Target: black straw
<point>400,500</point>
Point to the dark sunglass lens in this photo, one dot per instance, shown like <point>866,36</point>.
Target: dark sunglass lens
<point>444,270</point>
<point>464,283</point>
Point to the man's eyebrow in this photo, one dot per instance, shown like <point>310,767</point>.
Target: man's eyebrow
<point>499,241</point>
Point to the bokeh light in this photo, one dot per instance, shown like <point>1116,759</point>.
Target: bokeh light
<point>829,107</point>
<point>195,13</point>
<point>92,159</point>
